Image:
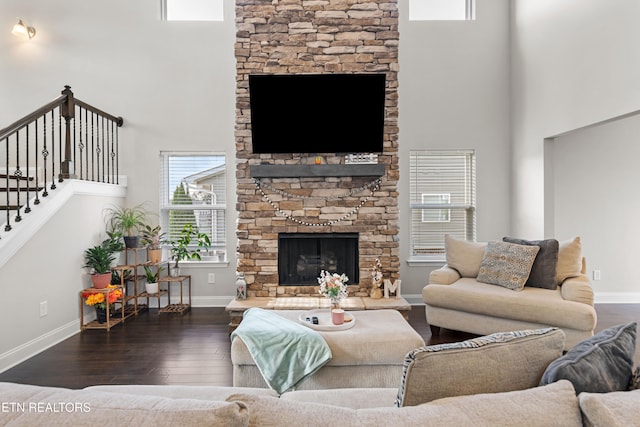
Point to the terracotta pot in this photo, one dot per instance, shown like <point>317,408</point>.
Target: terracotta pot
<point>154,255</point>
<point>101,281</point>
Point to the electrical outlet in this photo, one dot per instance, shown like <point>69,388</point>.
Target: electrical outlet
<point>212,277</point>
<point>43,309</point>
<point>596,275</point>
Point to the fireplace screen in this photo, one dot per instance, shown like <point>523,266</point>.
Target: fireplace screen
<point>301,257</point>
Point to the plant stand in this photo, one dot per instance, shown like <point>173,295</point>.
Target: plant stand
<point>111,321</point>
<point>180,307</point>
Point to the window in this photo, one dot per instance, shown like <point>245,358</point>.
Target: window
<point>442,192</point>
<point>194,192</point>
<point>442,10</point>
<point>192,10</point>
<point>436,215</point>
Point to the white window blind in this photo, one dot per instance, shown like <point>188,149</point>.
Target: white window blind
<point>193,189</point>
<point>442,10</point>
<point>192,10</point>
<point>442,199</point>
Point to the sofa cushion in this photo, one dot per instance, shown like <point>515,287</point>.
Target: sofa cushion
<point>533,305</point>
<point>600,364</point>
<point>354,398</point>
<point>518,408</point>
<point>218,393</point>
<point>490,364</point>
<point>63,407</point>
<point>507,264</point>
<point>569,259</point>
<point>543,271</point>
<point>464,256</point>
<point>617,409</point>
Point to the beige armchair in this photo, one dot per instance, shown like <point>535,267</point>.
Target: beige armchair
<point>455,299</point>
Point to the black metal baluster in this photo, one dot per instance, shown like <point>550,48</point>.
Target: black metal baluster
<point>74,147</point>
<point>103,151</point>
<point>45,154</point>
<point>117,158</point>
<point>60,150</point>
<point>93,159</point>
<point>53,150</point>
<point>27,209</point>
<point>7,226</point>
<point>112,154</point>
<point>17,175</point>
<point>86,139</point>
<point>37,172</point>
<point>81,145</point>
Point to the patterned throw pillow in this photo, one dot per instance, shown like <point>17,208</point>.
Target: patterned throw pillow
<point>507,264</point>
<point>543,272</point>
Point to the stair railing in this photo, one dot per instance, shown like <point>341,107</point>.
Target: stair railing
<point>64,139</point>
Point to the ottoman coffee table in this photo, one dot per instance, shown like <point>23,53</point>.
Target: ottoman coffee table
<point>368,355</point>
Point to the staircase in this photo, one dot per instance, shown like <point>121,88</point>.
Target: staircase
<point>64,139</point>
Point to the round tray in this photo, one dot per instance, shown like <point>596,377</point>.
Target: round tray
<point>324,320</point>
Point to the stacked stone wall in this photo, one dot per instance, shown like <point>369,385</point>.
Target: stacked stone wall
<point>303,37</point>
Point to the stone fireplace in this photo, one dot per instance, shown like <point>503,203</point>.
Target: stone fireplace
<point>309,197</point>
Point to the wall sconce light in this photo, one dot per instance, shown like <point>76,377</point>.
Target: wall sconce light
<point>23,30</point>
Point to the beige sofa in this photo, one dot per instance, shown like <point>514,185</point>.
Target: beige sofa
<point>455,299</point>
<point>488,381</point>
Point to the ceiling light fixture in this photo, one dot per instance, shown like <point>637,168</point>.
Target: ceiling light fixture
<point>23,30</point>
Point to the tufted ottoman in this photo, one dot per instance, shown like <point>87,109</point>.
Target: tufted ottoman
<point>369,355</point>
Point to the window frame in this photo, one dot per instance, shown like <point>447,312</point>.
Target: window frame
<point>164,13</point>
<point>467,230</point>
<point>469,11</point>
<point>165,207</point>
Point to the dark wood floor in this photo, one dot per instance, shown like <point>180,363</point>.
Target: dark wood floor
<point>193,349</point>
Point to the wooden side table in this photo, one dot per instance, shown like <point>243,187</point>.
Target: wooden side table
<point>181,307</point>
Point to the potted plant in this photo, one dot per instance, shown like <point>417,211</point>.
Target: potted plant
<point>127,221</point>
<point>152,238</point>
<point>114,244</point>
<point>180,249</point>
<point>98,259</point>
<point>99,301</point>
<point>152,280</point>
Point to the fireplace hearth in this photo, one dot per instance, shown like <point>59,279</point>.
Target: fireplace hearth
<point>301,257</point>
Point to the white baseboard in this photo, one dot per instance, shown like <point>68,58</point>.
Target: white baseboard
<point>617,298</point>
<point>29,349</point>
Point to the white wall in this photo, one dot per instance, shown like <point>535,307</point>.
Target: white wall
<point>454,93</point>
<point>49,268</point>
<point>595,178</point>
<point>173,82</point>
<point>574,62</point>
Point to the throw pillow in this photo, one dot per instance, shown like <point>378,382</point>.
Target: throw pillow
<point>507,264</point>
<point>600,364</point>
<point>569,259</point>
<point>464,256</point>
<point>494,363</point>
<point>543,271</point>
<point>634,383</point>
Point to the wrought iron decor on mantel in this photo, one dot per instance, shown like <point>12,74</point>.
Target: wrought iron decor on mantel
<point>373,186</point>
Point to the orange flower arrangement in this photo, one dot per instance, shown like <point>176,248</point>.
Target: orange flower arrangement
<point>100,300</point>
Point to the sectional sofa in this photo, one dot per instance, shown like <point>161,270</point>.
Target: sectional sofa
<point>511,379</point>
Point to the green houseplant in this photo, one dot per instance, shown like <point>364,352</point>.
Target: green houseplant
<point>98,259</point>
<point>127,221</point>
<point>152,280</point>
<point>181,250</point>
<point>115,244</point>
<point>152,239</point>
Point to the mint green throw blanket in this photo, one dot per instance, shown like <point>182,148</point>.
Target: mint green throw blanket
<point>285,352</point>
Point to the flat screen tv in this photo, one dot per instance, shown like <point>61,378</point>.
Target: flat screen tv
<point>317,113</point>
